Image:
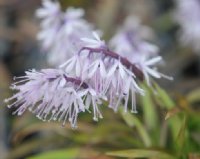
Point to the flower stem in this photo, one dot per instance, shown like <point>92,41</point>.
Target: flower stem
<point>76,81</point>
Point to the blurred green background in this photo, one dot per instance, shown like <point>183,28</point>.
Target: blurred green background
<point>168,123</point>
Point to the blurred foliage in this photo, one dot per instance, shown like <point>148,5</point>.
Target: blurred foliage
<point>164,128</point>
<point>77,3</point>
<point>148,134</point>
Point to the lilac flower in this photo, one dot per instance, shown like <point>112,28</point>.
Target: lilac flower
<point>144,65</point>
<point>94,43</point>
<point>120,82</point>
<point>110,75</point>
<point>93,74</point>
<point>73,20</point>
<point>187,15</point>
<point>52,95</point>
<point>90,73</point>
<point>50,13</point>
<point>61,31</point>
<point>130,42</point>
<point>51,16</point>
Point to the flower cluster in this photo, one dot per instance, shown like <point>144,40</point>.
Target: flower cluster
<point>129,42</point>
<point>111,75</point>
<point>61,31</point>
<point>52,95</point>
<point>187,14</point>
<point>93,73</point>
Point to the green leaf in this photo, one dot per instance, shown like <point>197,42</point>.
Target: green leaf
<point>58,154</point>
<point>141,153</point>
<point>71,153</point>
<point>175,121</point>
<point>194,96</point>
<point>150,115</point>
<point>33,145</point>
<point>172,113</point>
<point>133,121</point>
<point>182,136</point>
<point>167,102</point>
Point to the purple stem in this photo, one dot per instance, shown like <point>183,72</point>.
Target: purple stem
<point>76,81</point>
<point>114,55</point>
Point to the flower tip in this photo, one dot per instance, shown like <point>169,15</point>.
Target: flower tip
<point>74,127</point>
<point>167,77</point>
<point>134,111</point>
<point>6,100</point>
<point>96,35</point>
<point>19,113</point>
<point>30,109</point>
<point>12,87</point>
<point>54,118</point>
<point>13,113</point>
<point>63,124</point>
<point>38,116</point>
<point>9,106</point>
<point>95,119</point>
<point>70,119</point>
<point>143,92</point>
<point>104,98</point>
<point>171,78</point>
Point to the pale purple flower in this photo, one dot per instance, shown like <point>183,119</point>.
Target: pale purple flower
<point>110,75</point>
<point>51,18</point>
<point>187,15</point>
<point>130,40</point>
<point>120,81</point>
<point>60,36</point>
<point>91,72</point>
<point>73,20</point>
<point>147,66</point>
<point>50,13</point>
<point>52,95</point>
<point>96,42</point>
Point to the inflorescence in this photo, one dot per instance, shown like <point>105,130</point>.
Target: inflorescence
<point>92,71</point>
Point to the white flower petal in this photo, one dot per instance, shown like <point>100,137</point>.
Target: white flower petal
<point>121,71</point>
<point>152,72</point>
<point>92,92</point>
<point>70,66</point>
<point>138,89</point>
<point>96,36</point>
<point>127,85</point>
<point>62,82</point>
<point>67,62</point>
<point>82,92</point>
<point>102,69</point>
<point>88,102</point>
<point>153,61</point>
<point>112,70</point>
<point>90,41</point>
<point>93,68</point>
<point>78,68</point>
